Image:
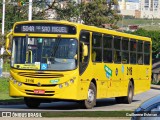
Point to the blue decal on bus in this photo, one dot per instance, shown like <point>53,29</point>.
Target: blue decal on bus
<point>122,68</point>
<point>43,66</point>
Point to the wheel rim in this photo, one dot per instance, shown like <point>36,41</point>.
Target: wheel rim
<point>90,96</point>
<point>130,93</point>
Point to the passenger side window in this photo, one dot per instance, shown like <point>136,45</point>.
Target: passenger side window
<point>117,49</point>
<point>97,47</point>
<point>125,50</point>
<point>140,53</point>
<point>107,48</point>
<point>146,53</point>
<point>133,50</point>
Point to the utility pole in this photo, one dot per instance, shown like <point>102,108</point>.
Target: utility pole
<point>2,48</point>
<point>3,18</point>
<point>30,10</point>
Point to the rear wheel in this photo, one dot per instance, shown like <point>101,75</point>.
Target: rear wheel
<point>90,102</point>
<point>32,102</point>
<point>128,99</point>
<point>155,78</point>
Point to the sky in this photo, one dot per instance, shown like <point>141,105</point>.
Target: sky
<point>132,0</point>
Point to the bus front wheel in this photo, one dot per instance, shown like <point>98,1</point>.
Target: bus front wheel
<point>32,102</point>
<point>90,102</point>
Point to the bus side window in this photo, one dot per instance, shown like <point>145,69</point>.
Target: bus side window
<point>140,52</point>
<point>96,47</point>
<point>147,53</point>
<point>117,49</point>
<point>125,50</point>
<point>107,48</point>
<point>84,38</point>
<point>133,50</point>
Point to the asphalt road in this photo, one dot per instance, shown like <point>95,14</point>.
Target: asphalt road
<point>102,105</point>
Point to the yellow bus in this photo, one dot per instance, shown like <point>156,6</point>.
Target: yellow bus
<point>60,60</point>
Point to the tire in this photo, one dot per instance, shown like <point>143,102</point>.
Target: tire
<point>128,99</point>
<point>32,102</point>
<point>155,78</point>
<point>90,102</point>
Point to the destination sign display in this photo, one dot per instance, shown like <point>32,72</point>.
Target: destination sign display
<point>48,28</point>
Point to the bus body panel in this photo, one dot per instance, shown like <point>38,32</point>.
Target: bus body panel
<point>111,79</point>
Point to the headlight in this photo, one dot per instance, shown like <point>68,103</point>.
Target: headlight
<point>66,84</point>
<point>11,78</point>
<point>19,84</point>
<point>14,81</point>
<point>71,80</point>
<point>60,86</point>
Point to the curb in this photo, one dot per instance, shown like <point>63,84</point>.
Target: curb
<point>5,102</point>
<point>155,87</point>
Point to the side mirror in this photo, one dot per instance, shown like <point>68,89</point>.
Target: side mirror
<point>75,57</point>
<point>8,42</point>
<point>84,50</point>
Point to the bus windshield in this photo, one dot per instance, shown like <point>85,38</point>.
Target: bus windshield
<point>44,53</point>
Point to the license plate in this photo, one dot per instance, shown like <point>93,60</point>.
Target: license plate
<point>39,91</point>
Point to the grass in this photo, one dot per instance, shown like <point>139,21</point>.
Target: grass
<point>147,24</point>
<point>127,22</point>
<point>4,92</point>
<point>6,67</point>
<point>87,114</point>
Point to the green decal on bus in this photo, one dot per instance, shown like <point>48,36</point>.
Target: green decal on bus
<point>108,71</point>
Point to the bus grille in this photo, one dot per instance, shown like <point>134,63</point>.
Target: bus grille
<point>47,93</point>
<point>43,85</point>
<point>40,75</point>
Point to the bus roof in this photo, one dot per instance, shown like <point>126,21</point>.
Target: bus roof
<point>89,28</point>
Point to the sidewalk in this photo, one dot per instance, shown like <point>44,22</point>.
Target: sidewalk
<point>5,74</point>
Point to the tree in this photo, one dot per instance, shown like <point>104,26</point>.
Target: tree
<point>99,12</point>
<point>70,11</point>
<point>96,12</point>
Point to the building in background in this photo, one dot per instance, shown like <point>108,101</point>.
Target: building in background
<point>140,8</point>
<point>130,8</point>
<point>150,9</point>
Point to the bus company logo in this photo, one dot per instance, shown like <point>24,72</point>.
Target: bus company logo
<point>38,84</point>
<point>54,81</point>
<point>108,71</point>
